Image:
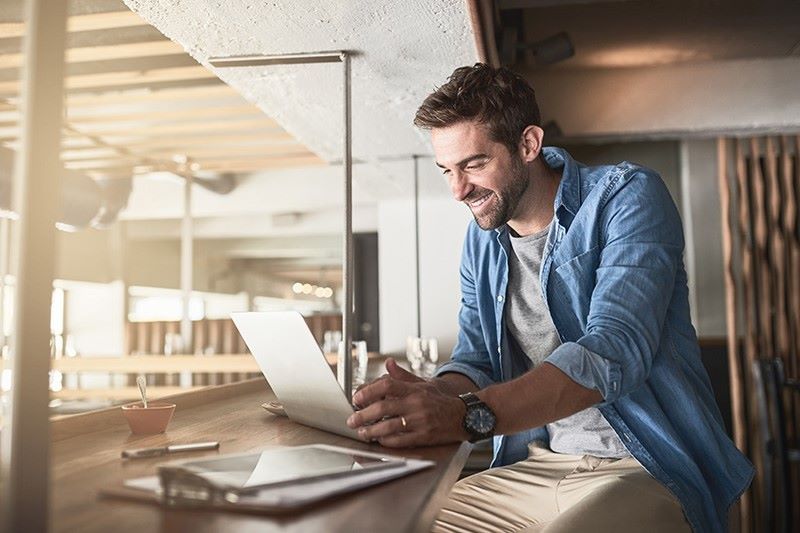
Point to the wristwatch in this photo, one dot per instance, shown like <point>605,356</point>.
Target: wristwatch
<point>479,420</point>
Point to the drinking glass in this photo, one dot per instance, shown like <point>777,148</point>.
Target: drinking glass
<point>358,353</point>
<point>422,354</point>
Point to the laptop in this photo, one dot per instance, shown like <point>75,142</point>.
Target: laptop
<point>296,369</point>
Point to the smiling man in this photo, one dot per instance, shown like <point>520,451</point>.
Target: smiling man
<point>575,350</point>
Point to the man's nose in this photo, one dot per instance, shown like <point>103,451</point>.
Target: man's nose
<point>459,186</point>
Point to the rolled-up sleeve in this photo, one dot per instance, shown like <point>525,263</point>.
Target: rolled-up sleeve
<point>641,247</point>
<point>470,356</point>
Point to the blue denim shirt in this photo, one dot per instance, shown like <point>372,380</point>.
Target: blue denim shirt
<point>613,279</point>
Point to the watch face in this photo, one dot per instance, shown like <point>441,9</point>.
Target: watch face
<point>480,420</point>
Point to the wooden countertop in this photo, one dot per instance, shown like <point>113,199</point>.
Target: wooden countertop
<point>86,457</point>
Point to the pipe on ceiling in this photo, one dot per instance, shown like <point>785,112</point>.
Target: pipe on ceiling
<point>482,17</point>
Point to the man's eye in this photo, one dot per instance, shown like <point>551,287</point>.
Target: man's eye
<point>445,172</point>
<point>476,166</point>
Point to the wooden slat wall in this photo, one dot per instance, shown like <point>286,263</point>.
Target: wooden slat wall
<point>209,337</point>
<point>759,180</point>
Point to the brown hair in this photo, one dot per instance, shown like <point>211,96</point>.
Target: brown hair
<point>497,97</point>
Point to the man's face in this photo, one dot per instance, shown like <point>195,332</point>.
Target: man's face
<point>481,172</point>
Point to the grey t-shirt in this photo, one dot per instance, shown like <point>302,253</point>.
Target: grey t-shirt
<point>527,319</point>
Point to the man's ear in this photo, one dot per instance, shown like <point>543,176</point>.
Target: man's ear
<point>531,143</point>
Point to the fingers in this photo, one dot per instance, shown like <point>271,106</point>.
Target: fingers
<point>399,373</point>
<point>384,428</point>
<point>375,412</point>
<point>380,389</point>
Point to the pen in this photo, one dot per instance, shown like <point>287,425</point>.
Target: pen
<point>172,448</point>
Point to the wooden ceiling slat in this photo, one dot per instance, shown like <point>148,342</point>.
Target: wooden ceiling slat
<point>208,127</point>
<point>102,53</point>
<point>205,162</point>
<point>88,22</point>
<point>114,79</point>
<point>255,139</point>
<point>157,135</point>
<point>103,152</point>
<point>148,96</point>
<point>178,114</point>
<point>209,152</point>
<point>124,171</point>
<point>174,125</point>
<point>209,139</point>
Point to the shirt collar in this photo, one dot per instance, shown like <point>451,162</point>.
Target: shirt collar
<point>568,197</point>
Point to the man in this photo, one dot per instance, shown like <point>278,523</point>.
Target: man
<point>575,349</point>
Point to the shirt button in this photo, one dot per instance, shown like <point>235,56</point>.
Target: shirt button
<point>500,298</point>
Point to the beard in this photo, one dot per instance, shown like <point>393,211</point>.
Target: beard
<point>503,201</point>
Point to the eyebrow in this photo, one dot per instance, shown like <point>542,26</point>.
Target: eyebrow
<point>465,161</point>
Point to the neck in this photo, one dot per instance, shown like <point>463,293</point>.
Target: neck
<point>535,209</point>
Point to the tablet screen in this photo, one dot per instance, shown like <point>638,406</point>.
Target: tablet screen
<point>282,465</point>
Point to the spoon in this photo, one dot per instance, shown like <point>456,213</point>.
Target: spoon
<point>142,389</point>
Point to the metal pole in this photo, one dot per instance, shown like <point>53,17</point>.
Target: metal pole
<point>416,242</point>
<point>26,435</point>
<point>347,276</point>
<point>187,256</point>
<point>280,59</point>
<point>347,281</point>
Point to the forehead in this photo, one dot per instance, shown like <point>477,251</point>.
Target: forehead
<point>461,140</point>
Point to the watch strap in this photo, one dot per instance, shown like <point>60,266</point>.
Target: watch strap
<point>472,402</point>
<point>470,399</point>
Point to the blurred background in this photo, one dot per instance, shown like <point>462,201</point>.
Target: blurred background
<point>187,192</point>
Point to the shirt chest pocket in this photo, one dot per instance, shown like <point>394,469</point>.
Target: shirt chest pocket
<point>571,287</point>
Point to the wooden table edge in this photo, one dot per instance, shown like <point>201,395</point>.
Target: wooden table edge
<point>67,426</point>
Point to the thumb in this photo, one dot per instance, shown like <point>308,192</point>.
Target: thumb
<point>399,373</point>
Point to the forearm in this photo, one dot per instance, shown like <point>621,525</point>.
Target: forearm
<point>543,395</point>
<point>453,383</point>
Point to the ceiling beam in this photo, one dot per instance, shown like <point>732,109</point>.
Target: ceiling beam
<point>532,4</point>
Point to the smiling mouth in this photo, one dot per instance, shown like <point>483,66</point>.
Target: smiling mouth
<point>480,201</point>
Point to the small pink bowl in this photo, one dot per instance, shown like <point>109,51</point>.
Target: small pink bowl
<point>150,420</point>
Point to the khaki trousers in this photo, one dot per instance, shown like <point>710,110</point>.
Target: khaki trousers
<point>557,493</point>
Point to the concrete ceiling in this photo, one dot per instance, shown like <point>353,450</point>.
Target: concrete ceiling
<point>403,50</point>
<point>638,33</point>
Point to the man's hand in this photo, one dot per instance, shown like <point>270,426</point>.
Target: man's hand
<point>401,410</point>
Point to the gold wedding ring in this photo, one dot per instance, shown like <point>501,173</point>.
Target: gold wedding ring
<point>403,421</point>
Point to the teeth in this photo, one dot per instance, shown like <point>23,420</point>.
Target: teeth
<point>480,201</point>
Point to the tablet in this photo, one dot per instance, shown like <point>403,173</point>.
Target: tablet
<point>279,466</point>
